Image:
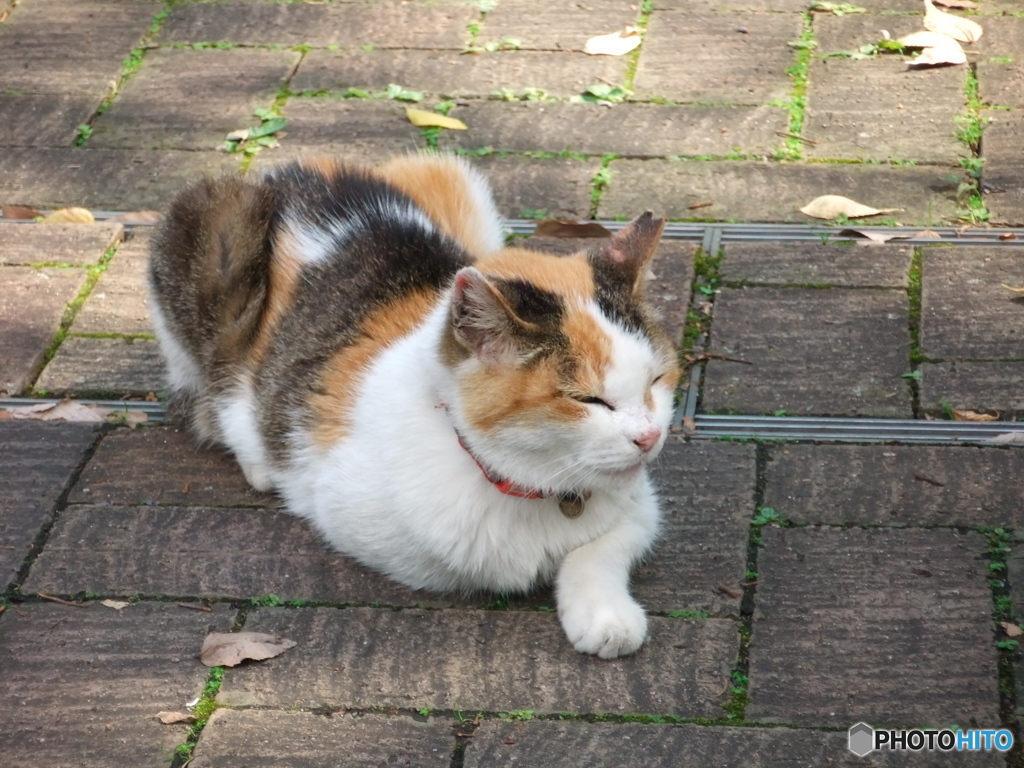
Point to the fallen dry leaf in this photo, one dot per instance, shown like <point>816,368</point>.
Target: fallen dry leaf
<point>65,410</point>
<point>20,212</point>
<point>965,4</point>
<point>938,49</point>
<point>1008,236</point>
<point>70,216</point>
<point>566,228</point>
<point>423,119</point>
<point>1011,630</point>
<point>241,134</point>
<point>874,237</point>
<point>973,416</point>
<point>169,718</point>
<point>927,234</point>
<point>1007,438</point>
<point>832,206</point>
<point>117,605</point>
<point>613,44</point>
<point>226,649</point>
<point>138,217</point>
<point>957,27</point>
<point>1011,288</point>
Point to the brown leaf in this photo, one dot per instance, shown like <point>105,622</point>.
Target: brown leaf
<point>1008,236</point>
<point>874,237</point>
<point>965,4</point>
<point>566,228</point>
<point>227,649</point>
<point>65,410</point>
<point>70,216</point>
<point>169,718</point>
<point>138,217</point>
<point>21,212</point>
<point>1007,438</point>
<point>1011,630</point>
<point>973,416</point>
<point>957,27</point>
<point>832,206</point>
<point>614,44</point>
<point>927,234</point>
<point>423,119</point>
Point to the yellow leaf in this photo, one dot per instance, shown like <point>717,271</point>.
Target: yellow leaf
<point>423,119</point>
<point>972,416</point>
<point>69,216</point>
<point>1011,288</point>
<point>832,206</point>
<point>957,27</point>
<point>614,44</point>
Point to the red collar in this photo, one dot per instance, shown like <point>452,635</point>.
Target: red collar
<point>504,485</point>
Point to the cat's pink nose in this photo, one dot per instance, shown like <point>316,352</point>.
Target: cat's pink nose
<point>648,439</point>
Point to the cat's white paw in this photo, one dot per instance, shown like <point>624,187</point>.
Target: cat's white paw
<point>610,628</point>
<point>257,476</point>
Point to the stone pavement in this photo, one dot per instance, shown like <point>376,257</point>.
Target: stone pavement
<point>798,588</point>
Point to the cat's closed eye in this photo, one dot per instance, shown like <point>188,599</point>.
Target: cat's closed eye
<point>591,400</point>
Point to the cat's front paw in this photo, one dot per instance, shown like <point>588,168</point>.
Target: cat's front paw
<point>610,628</point>
<point>257,476</point>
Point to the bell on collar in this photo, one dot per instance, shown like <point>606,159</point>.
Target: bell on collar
<point>571,504</point>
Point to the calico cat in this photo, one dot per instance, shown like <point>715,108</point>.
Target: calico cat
<point>456,414</point>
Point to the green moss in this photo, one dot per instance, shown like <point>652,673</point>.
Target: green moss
<point>799,72</point>
<point>599,184</point>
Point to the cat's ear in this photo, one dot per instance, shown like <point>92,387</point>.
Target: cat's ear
<point>632,248</point>
<point>485,324</point>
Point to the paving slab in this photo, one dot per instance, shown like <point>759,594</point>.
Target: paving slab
<point>102,179</point>
<point>44,119</point>
<point>1001,83</point>
<point>37,461</point>
<point>973,386</point>
<point>1004,197</point>
<point>557,25</point>
<point>303,740</point>
<point>724,65</point>
<point>212,552</point>
<point>455,75</point>
<point>557,188</point>
<point>163,466</point>
<point>474,661</point>
<point>881,110</point>
<point>1003,137</point>
<point>629,130</point>
<point>32,303</point>
<point>186,99</point>
<point>70,46</point>
<point>669,288</point>
<point>779,6</point>
<point>81,687</point>
<point>540,744</point>
<point>1004,36</point>
<point>707,500</point>
<point>881,626</point>
<point>850,31</point>
<point>104,367</point>
<point>896,485</point>
<point>841,264</point>
<point>774,192</point>
<point>358,130</point>
<point>74,244</point>
<point>810,352</point>
<point>966,314</point>
<point>117,303</point>
<point>384,25</point>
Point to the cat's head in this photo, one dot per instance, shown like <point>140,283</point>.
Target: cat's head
<point>564,377</point>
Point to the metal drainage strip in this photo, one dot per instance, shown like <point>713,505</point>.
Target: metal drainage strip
<point>789,428</point>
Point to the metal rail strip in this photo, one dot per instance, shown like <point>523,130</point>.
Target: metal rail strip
<point>711,234</point>
<point>711,427</point>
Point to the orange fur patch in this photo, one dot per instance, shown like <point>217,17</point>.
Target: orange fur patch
<point>442,188</point>
<point>341,376</point>
<point>568,276</point>
<point>285,269</point>
<point>325,166</point>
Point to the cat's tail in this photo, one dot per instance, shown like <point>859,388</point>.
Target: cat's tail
<point>209,280</point>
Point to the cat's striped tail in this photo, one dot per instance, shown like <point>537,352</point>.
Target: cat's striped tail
<point>209,277</point>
